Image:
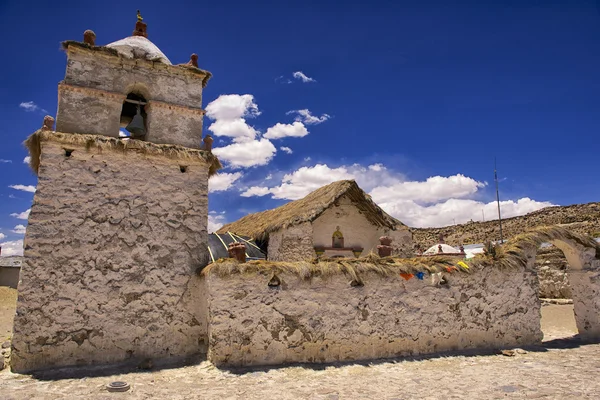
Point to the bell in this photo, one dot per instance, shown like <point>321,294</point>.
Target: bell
<point>136,126</point>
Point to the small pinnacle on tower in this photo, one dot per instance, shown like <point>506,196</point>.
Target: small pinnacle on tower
<point>140,27</point>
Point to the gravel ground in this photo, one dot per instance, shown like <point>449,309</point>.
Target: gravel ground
<point>563,368</point>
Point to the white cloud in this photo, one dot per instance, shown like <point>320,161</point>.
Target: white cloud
<point>5,161</point>
<point>301,76</point>
<point>286,150</point>
<point>306,117</point>
<point>12,248</point>
<point>30,106</point>
<point>222,181</point>
<point>19,229</point>
<point>256,191</point>
<point>27,160</point>
<point>237,129</point>
<point>433,189</point>
<point>279,130</point>
<point>457,211</point>
<point>307,158</point>
<point>232,106</point>
<point>23,215</point>
<point>229,112</point>
<point>306,179</point>
<point>25,188</point>
<point>2,236</point>
<point>247,154</point>
<point>215,221</point>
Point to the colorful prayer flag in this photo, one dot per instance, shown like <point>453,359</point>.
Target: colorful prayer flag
<point>406,276</point>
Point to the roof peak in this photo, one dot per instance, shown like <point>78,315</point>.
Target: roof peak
<point>309,208</point>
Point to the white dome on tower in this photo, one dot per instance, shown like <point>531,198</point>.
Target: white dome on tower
<point>139,47</point>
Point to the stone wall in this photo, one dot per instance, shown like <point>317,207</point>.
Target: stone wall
<point>113,242</point>
<point>292,244</point>
<point>327,320</point>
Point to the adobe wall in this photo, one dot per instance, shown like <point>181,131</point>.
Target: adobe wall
<point>327,320</point>
<point>292,244</point>
<point>356,228</point>
<point>113,241</point>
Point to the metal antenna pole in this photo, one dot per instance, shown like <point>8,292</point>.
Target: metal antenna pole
<point>498,201</point>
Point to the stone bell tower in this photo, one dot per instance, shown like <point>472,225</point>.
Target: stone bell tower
<point>117,228</point>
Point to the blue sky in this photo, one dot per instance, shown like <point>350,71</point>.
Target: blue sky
<point>414,99</point>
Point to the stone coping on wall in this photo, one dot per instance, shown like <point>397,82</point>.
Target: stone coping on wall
<point>102,142</point>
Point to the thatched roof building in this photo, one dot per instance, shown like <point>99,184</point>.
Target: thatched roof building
<point>341,209</point>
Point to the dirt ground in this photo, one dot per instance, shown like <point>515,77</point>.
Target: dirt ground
<point>563,368</point>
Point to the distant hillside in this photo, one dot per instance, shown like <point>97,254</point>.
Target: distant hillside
<point>581,218</point>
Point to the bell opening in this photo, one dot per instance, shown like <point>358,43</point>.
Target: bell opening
<point>133,116</point>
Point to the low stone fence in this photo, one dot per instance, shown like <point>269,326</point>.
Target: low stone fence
<point>262,315</point>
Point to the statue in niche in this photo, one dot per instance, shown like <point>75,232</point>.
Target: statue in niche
<point>337,240</point>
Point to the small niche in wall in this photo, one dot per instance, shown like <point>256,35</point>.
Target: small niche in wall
<point>337,239</point>
<point>68,152</point>
<point>183,168</point>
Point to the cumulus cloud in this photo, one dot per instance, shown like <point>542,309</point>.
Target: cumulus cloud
<point>12,248</point>
<point>436,201</point>
<point>457,211</point>
<point>222,181</point>
<point>5,161</point>
<point>25,188</point>
<point>279,130</point>
<point>306,117</point>
<point>27,160</point>
<point>301,76</point>
<point>306,179</point>
<point>23,215</point>
<point>30,106</point>
<point>433,189</point>
<point>247,154</point>
<point>215,221</point>
<point>286,150</point>
<point>2,236</point>
<point>256,191</point>
<point>230,112</point>
<point>19,229</point>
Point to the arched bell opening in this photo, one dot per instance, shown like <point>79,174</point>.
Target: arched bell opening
<point>134,117</point>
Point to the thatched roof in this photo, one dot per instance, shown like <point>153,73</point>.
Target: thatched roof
<point>259,225</point>
<point>511,256</point>
<point>33,143</point>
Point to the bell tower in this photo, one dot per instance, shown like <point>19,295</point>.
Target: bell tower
<point>118,225</point>
<point>132,83</point>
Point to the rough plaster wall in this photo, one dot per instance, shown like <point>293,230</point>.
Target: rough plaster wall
<point>90,69</point>
<point>111,248</point>
<point>292,244</point>
<point>356,228</point>
<point>174,125</point>
<point>78,112</point>
<point>329,320</point>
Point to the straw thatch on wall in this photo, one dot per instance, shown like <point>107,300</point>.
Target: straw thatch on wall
<point>307,209</point>
<point>513,255</point>
<point>33,143</point>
